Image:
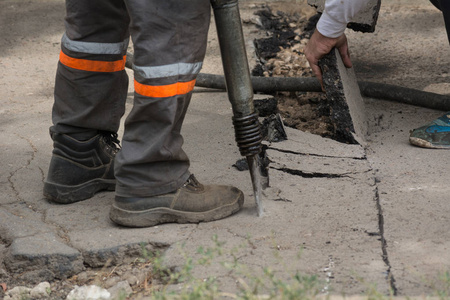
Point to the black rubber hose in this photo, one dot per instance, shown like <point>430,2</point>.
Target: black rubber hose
<point>264,84</point>
<point>311,84</point>
<point>404,95</point>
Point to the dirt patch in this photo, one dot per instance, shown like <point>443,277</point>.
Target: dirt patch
<point>306,112</point>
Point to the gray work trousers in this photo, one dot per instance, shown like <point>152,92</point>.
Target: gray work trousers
<point>169,39</point>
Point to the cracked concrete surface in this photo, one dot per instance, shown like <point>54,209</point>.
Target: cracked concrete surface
<point>377,214</point>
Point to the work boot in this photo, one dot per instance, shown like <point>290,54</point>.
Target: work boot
<point>435,135</point>
<point>79,169</point>
<point>192,203</point>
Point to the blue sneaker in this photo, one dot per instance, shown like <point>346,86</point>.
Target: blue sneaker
<point>435,135</point>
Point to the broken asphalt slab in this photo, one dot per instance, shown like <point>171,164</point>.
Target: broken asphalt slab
<point>344,99</point>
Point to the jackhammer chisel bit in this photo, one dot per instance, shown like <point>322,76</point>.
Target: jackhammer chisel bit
<point>239,88</point>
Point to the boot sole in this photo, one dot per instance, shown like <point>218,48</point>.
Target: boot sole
<point>66,194</point>
<point>425,144</point>
<point>155,216</point>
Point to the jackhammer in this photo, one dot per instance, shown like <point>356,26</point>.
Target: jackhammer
<point>239,88</point>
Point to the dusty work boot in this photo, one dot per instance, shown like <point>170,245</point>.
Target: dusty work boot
<point>192,203</point>
<point>435,135</point>
<point>79,169</point>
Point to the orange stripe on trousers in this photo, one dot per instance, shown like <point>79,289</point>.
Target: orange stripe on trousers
<point>92,65</point>
<point>161,91</point>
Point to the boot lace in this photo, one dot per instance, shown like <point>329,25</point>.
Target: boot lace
<point>192,183</point>
<point>111,139</point>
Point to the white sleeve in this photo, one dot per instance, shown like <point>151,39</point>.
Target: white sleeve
<point>337,14</point>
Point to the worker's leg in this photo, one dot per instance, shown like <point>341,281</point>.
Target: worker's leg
<point>90,92</point>
<point>435,134</point>
<point>169,39</point>
<point>91,84</point>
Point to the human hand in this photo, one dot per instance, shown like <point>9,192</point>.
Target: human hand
<point>320,45</point>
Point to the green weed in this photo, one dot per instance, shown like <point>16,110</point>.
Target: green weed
<point>250,286</point>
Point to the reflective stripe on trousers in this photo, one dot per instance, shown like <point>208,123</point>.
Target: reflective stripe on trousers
<point>169,39</point>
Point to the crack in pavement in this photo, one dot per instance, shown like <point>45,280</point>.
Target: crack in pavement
<point>315,155</point>
<point>312,174</point>
<point>13,187</point>
<point>60,231</point>
<point>385,256</point>
<point>28,163</point>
